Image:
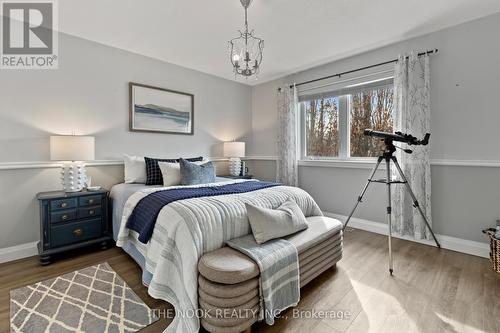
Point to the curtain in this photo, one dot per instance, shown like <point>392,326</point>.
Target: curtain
<point>412,115</point>
<point>287,147</point>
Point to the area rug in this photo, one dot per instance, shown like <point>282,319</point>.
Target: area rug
<point>94,299</point>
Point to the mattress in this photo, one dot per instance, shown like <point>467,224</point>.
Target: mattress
<point>119,194</point>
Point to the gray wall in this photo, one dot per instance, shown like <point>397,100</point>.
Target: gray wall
<point>88,95</point>
<point>465,88</point>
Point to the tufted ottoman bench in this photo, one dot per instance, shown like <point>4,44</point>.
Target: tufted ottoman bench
<point>228,283</point>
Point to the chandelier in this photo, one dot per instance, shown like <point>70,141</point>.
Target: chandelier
<point>246,50</point>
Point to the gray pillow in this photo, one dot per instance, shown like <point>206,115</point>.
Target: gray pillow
<point>193,174</point>
<point>268,223</point>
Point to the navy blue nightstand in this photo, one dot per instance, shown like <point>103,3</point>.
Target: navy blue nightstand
<point>72,220</point>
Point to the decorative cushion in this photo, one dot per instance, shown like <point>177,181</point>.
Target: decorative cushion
<point>228,266</point>
<point>269,224</point>
<point>153,172</point>
<point>193,174</point>
<point>171,172</point>
<point>135,169</point>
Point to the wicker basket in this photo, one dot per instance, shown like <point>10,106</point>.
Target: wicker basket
<point>494,250</point>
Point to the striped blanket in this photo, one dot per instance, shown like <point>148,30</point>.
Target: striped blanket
<point>278,262</point>
<point>145,213</point>
<point>186,229</point>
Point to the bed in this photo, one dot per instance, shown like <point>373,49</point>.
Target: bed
<point>119,195</point>
<point>186,229</point>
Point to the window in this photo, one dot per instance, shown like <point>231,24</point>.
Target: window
<point>322,127</point>
<point>333,121</point>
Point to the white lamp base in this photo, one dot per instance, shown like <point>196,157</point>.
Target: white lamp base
<point>73,176</point>
<point>234,166</point>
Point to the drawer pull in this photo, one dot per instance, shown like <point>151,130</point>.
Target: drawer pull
<point>78,232</point>
<point>64,217</point>
<point>91,201</point>
<point>91,212</point>
<point>64,204</point>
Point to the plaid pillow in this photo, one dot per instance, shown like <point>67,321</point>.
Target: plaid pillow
<point>153,172</point>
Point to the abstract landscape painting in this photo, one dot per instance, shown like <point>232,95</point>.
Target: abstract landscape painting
<point>155,109</point>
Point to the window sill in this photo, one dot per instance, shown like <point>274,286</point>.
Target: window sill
<point>367,163</point>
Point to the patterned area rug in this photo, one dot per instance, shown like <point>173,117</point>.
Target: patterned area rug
<point>94,299</point>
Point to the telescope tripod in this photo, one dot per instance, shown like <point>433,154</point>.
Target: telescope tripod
<point>388,156</point>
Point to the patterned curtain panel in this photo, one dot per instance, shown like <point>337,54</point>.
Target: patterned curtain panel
<point>412,115</point>
<point>287,164</point>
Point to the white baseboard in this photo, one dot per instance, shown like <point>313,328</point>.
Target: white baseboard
<point>18,252</point>
<point>447,242</point>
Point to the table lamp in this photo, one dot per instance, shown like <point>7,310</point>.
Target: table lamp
<point>234,150</point>
<point>73,150</point>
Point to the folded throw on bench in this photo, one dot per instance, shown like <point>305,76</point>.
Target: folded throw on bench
<point>278,262</point>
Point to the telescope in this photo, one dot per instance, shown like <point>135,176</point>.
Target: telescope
<point>399,137</point>
<point>388,156</point>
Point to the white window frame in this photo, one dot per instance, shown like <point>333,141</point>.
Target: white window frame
<point>344,130</point>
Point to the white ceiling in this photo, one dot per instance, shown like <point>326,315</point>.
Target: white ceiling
<point>298,33</point>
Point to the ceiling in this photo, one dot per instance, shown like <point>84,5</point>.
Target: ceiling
<point>298,34</point>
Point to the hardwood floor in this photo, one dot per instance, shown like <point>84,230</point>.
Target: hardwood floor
<point>431,291</point>
<point>27,271</point>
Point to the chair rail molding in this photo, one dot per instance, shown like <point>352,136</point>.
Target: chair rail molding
<point>48,165</point>
<point>332,163</point>
<point>369,164</point>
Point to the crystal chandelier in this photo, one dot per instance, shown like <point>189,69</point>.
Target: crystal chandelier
<point>246,50</point>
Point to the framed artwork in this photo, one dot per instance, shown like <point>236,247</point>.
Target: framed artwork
<point>154,109</point>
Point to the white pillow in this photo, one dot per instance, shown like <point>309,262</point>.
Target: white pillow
<point>269,224</point>
<point>135,169</point>
<point>171,172</point>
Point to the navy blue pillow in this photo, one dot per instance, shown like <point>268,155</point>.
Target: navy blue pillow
<point>194,174</point>
<point>153,172</point>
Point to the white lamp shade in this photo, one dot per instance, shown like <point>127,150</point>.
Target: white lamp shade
<point>234,149</point>
<point>72,148</point>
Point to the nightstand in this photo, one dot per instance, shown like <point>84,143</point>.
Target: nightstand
<point>72,220</point>
<point>239,177</point>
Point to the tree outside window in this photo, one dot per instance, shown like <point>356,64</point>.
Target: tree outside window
<point>357,111</point>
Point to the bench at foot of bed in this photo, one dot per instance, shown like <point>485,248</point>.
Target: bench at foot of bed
<point>228,284</point>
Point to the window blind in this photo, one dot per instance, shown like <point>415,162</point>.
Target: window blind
<point>346,87</point>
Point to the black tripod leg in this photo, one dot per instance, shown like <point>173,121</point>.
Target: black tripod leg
<point>360,198</point>
<point>414,198</point>
<point>389,211</point>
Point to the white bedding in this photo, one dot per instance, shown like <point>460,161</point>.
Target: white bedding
<point>186,229</point>
<point>119,195</point>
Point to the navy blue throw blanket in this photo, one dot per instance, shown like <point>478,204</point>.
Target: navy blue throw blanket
<point>145,213</point>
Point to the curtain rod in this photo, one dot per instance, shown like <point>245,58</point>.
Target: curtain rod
<point>358,69</point>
